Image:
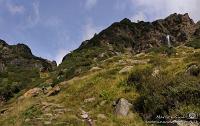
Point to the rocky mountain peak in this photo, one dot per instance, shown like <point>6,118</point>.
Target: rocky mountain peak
<point>144,35</point>
<point>179,18</point>
<point>125,20</point>
<point>2,43</point>
<point>22,50</point>
<point>21,55</point>
<point>18,62</point>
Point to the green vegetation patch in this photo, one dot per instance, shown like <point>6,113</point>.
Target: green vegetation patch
<point>195,43</point>
<point>164,93</point>
<point>32,112</point>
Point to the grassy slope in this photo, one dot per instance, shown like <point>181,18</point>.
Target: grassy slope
<point>105,85</point>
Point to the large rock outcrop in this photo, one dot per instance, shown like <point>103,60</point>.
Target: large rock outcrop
<point>21,55</point>
<point>19,68</point>
<point>144,35</point>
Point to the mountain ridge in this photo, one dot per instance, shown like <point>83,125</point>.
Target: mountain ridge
<point>130,37</point>
<point>153,34</point>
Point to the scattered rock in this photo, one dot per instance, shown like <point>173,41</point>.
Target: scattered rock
<point>155,72</point>
<point>39,118</point>
<point>89,100</point>
<point>140,54</point>
<point>122,108</point>
<point>2,111</point>
<point>102,103</point>
<point>46,104</point>
<point>95,69</point>
<point>60,111</point>
<point>47,123</point>
<point>2,67</point>
<point>138,62</point>
<point>122,62</point>
<point>33,92</point>
<point>193,70</point>
<point>86,117</point>
<point>101,116</point>
<point>114,103</point>
<point>48,114</point>
<point>102,55</point>
<point>55,90</point>
<point>48,88</point>
<point>126,69</point>
<point>27,120</point>
<point>2,100</point>
<point>21,98</point>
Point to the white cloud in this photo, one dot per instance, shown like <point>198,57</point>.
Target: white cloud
<point>63,37</point>
<point>34,16</point>
<point>15,9</point>
<point>89,30</point>
<point>154,9</point>
<point>64,44</point>
<point>60,54</point>
<point>121,6</point>
<point>53,22</point>
<point>90,4</point>
<point>138,17</point>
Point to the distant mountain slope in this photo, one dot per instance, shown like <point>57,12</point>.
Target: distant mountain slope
<point>19,68</point>
<point>130,37</point>
<point>143,35</point>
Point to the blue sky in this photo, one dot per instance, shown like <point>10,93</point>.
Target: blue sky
<point>52,28</point>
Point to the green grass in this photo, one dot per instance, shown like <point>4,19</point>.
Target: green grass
<point>32,112</point>
<point>171,92</point>
<point>195,43</point>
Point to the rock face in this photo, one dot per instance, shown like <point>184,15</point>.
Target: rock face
<point>18,62</point>
<point>101,116</point>
<point>54,91</point>
<point>2,67</point>
<point>2,100</point>
<point>144,35</point>
<point>122,108</point>
<point>89,100</point>
<point>130,37</point>
<point>33,92</point>
<point>126,69</point>
<point>21,55</point>
<point>197,31</point>
<point>95,69</point>
<point>193,70</point>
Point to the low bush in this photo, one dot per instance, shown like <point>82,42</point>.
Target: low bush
<point>32,112</point>
<point>164,93</point>
<point>194,43</point>
<point>164,50</point>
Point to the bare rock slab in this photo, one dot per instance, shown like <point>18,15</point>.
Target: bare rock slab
<point>122,107</point>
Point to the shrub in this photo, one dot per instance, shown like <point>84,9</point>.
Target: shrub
<point>194,43</point>
<point>105,95</point>
<point>32,112</point>
<point>136,77</point>
<point>158,60</point>
<point>164,50</point>
<point>161,94</point>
